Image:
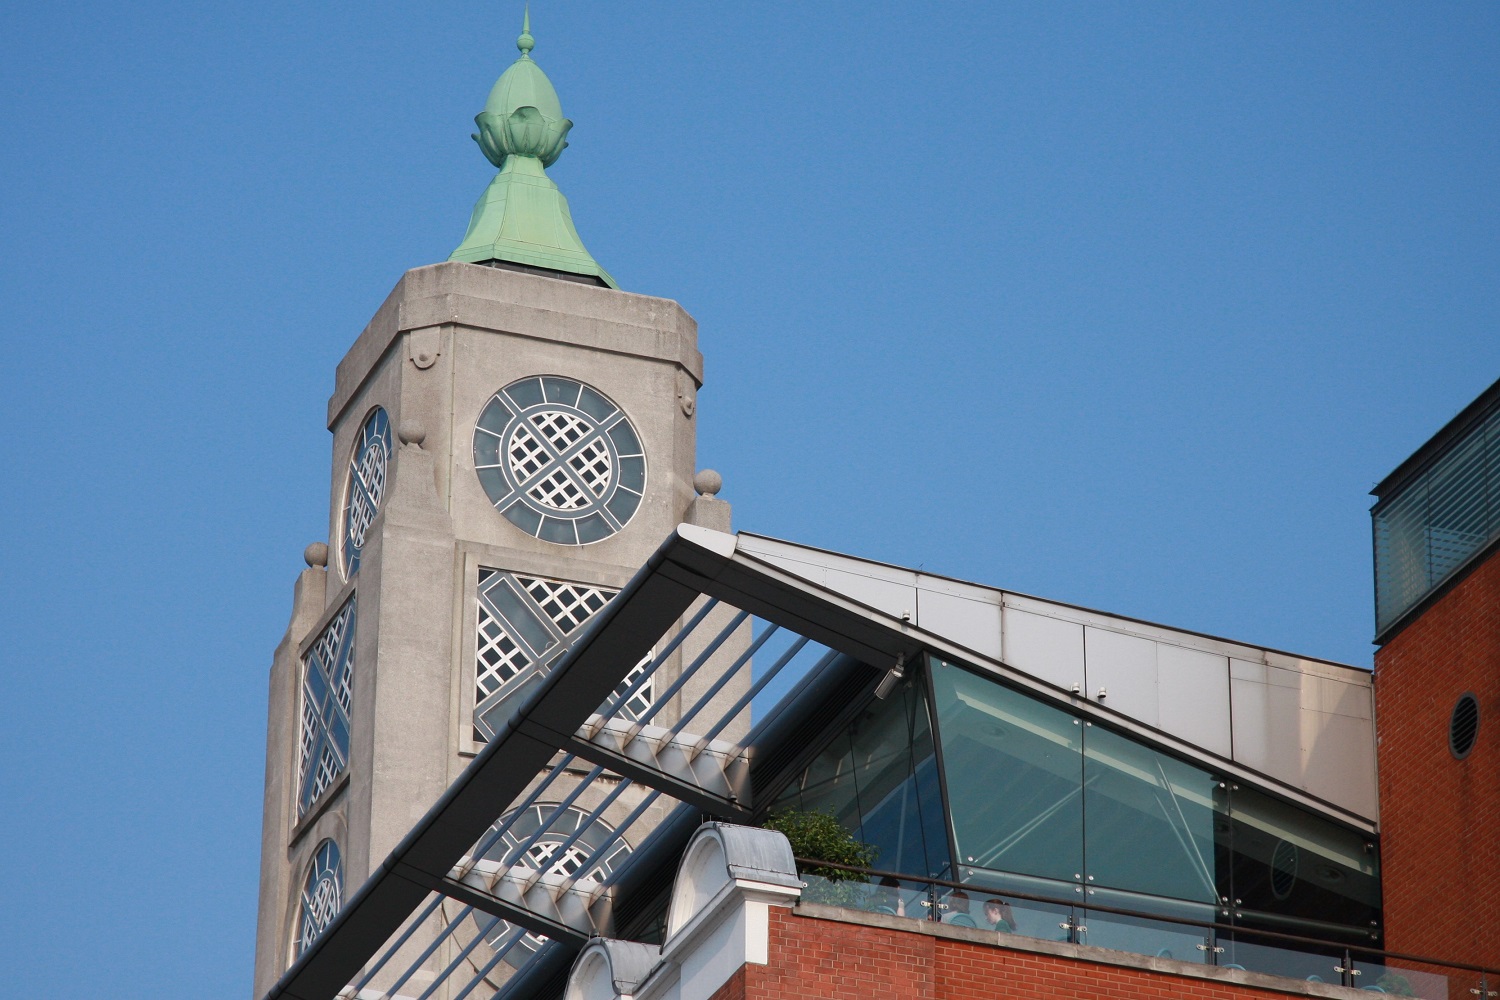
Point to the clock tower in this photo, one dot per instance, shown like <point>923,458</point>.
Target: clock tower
<point>513,436</point>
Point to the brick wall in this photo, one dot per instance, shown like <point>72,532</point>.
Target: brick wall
<point>1440,817</point>
<point>817,958</point>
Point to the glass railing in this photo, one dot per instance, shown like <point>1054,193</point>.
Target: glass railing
<point>1198,940</point>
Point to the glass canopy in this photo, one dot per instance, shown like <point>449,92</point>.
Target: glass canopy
<point>1020,795</point>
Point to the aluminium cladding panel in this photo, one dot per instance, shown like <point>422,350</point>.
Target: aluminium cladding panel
<point>1193,696</point>
<point>1177,689</point>
<point>963,613</point>
<point>973,624</point>
<point>1120,671</point>
<point>1047,648</point>
<point>1304,724</point>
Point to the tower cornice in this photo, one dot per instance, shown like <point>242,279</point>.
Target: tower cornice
<point>526,305</point>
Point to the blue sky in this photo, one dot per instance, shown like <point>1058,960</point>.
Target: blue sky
<point>1123,305</point>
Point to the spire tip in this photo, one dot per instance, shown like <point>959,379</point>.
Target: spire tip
<point>525,43</point>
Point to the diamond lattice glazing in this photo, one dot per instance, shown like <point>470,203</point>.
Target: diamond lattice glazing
<point>327,693</point>
<point>525,624</point>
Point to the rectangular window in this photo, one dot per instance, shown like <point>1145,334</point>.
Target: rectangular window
<point>1436,521</point>
<point>1149,820</point>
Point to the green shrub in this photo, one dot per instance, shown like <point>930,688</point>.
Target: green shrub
<point>819,836</point>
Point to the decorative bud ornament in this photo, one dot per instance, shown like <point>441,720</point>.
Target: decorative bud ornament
<point>522,218</point>
<point>523,116</point>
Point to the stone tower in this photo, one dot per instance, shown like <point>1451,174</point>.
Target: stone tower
<point>513,436</point>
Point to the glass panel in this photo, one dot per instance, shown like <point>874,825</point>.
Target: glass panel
<point>1492,464</point>
<point>892,897</point>
<point>338,733</point>
<point>900,898</point>
<point>511,607</point>
<point>1404,979</point>
<point>495,486</point>
<point>1456,495</point>
<point>486,449</point>
<point>527,392</point>
<point>626,443</point>
<point>995,906</point>
<point>1144,936</point>
<point>1299,874</point>
<point>1148,821</point>
<point>895,776</point>
<point>633,473</point>
<point>495,416</point>
<point>959,908</point>
<point>522,516</point>
<point>623,504</point>
<point>1014,772</point>
<point>561,390</point>
<point>1247,950</point>
<point>879,779</point>
<point>593,528</point>
<point>595,405</point>
<point>1401,576</point>
<point>317,686</point>
<point>828,786</point>
<point>1437,521</point>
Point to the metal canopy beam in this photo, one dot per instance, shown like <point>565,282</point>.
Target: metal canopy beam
<point>496,907</point>
<point>679,788</point>
<point>646,609</point>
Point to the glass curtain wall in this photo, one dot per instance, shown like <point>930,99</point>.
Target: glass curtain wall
<point>1028,798</point>
<point>1045,802</point>
<point>879,778</point>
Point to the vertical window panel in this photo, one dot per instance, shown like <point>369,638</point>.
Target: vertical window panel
<point>1014,776</point>
<point>1149,820</point>
<point>327,697</point>
<point>879,779</point>
<point>1298,873</point>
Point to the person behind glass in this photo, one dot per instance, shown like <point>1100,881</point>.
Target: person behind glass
<point>998,915</point>
<point>890,894</point>
<point>958,910</point>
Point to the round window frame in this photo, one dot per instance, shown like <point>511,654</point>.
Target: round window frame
<point>513,408</point>
<point>317,868</point>
<point>1468,697</point>
<point>349,562</point>
<point>523,829</point>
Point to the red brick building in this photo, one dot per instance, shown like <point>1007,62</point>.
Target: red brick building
<point>1437,688</point>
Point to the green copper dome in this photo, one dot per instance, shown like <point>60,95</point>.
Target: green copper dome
<point>522,218</point>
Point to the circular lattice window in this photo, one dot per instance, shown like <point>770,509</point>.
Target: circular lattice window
<point>559,460</point>
<point>365,486</point>
<point>1463,725</point>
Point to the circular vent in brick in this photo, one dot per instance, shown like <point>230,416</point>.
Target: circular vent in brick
<point>1463,726</point>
